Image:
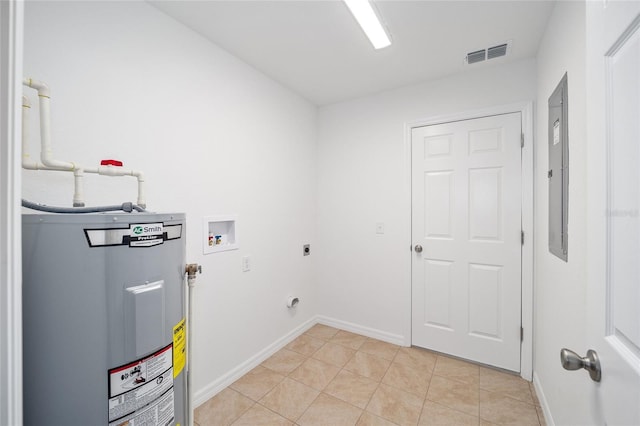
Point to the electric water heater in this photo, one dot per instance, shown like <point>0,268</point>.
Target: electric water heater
<point>104,336</point>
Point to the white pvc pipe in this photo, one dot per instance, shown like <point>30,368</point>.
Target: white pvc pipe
<point>40,86</point>
<point>46,152</point>
<point>27,163</point>
<point>48,163</point>
<point>119,171</point>
<point>78,186</point>
<point>142,196</point>
<point>26,158</point>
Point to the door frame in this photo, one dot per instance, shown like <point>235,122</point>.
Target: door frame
<point>11,42</point>
<point>527,303</point>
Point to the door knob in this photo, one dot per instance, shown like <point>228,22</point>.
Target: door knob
<point>418,248</point>
<point>572,361</point>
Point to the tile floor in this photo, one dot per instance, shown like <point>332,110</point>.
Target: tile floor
<point>331,377</point>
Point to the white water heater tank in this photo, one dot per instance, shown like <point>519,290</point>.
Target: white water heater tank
<point>104,336</point>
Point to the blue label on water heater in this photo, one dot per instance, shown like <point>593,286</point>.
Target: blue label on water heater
<point>146,234</point>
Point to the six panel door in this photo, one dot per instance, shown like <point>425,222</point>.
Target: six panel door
<point>466,215</point>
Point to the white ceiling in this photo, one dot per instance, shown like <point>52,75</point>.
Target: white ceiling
<point>317,49</point>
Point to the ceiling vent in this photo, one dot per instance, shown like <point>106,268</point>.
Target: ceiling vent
<point>497,51</point>
<point>477,56</point>
<point>488,53</point>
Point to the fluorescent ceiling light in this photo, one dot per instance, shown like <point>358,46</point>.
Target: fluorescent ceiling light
<point>368,20</point>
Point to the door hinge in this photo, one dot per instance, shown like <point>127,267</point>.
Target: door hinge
<point>521,334</point>
<point>522,237</point>
<point>521,140</point>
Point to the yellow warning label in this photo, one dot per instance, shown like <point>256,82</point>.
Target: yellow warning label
<point>179,347</point>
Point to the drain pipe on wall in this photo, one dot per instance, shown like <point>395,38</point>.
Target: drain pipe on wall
<point>26,158</point>
<point>107,167</point>
<point>191,269</point>
<point>46,153</point>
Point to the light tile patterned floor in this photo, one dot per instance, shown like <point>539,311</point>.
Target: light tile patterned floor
<point>331,377</point>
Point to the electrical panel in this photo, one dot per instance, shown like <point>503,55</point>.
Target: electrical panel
<point>558,173</point>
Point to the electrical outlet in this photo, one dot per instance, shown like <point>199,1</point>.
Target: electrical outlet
<point>246,263</point>
<point>306,250</point>
<point>380,228</point>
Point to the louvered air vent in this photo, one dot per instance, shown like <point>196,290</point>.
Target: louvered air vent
<point>497,51</point>
<point>488,53</point>
<point>477,56</point>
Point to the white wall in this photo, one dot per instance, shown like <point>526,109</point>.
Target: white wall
<point>363,178</point>
<point>213,136</point>
<point>560,288</point>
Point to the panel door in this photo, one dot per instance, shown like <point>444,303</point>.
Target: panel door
<point>614,205</point>
<point>466,216</point>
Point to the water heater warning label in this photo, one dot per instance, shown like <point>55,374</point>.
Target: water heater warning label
<point>160,412</point>
<point>179,348</point>
<point>146,234</point>
<point>142,389</point>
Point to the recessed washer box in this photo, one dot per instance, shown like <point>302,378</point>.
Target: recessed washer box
<point>219,234</point>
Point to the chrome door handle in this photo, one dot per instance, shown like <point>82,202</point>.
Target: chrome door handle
<point>418,248</point>
<point>572,361</point>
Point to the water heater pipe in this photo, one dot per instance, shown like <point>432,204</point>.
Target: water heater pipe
<point>191,270</point>
<point>27,163</point>
<point>78,188</point>
<point>46,152</point>
<point>119,171</point>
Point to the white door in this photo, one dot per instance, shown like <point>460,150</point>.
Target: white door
<point>613,89</point>
<point>466,219</point>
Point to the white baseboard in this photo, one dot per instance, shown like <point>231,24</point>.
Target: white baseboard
<point>396,339</point>
<point>543,400</point>
<point>213,388</point>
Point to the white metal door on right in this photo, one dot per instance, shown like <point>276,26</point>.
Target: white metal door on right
<point>613,191</point>
<point>466,232</point>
